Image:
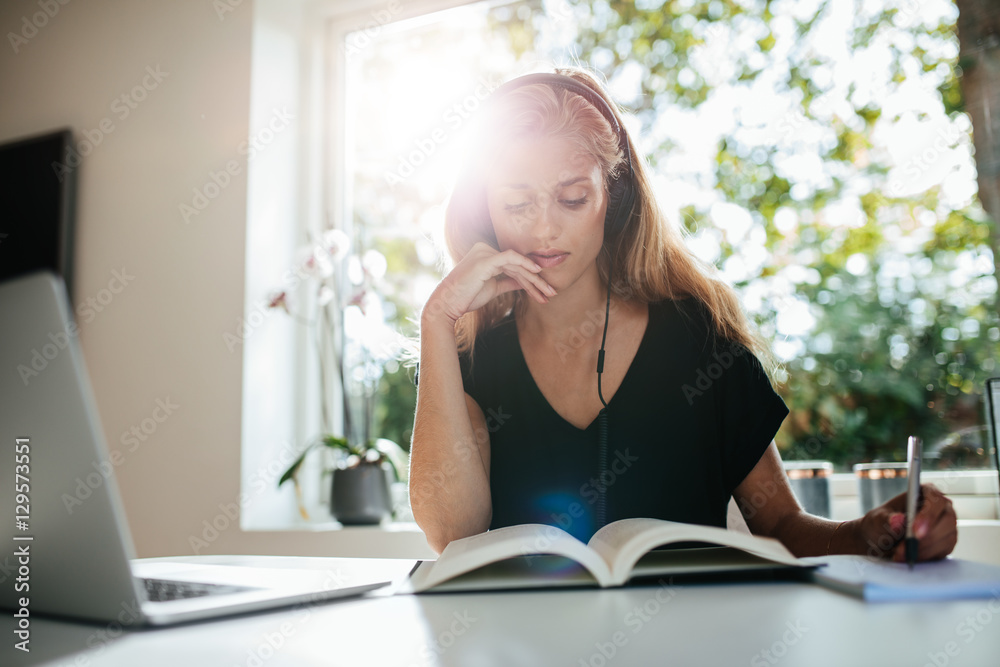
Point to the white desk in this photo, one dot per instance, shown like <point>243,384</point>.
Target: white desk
<point>704,624</point>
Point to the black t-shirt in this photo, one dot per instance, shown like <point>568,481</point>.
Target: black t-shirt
<point>691,418</point>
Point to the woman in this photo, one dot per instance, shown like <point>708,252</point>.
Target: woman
<point>508,418</point>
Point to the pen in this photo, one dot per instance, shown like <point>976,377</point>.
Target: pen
<point>913,456</point>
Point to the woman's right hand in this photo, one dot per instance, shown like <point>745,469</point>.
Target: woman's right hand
<point>482,275</point>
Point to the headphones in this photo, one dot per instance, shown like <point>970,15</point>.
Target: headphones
<point>621,190</point>
<point>621,200</point>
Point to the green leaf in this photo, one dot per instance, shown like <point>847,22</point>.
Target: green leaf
<point>294,468</point>
<point>390,451</point>
<point>334,442</point>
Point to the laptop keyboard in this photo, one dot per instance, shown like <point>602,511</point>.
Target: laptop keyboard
<point>162,590</point>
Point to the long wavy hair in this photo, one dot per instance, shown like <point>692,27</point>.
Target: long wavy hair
<point>651,260</point>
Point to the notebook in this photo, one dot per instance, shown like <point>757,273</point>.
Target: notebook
<point>880,580</point>
<point>68,549</point>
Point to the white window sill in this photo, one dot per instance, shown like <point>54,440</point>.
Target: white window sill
<point>323,526</point>
<point>974,493</point>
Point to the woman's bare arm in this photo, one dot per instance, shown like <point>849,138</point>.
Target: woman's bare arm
<point>770,508</point>
<point>449,453</point>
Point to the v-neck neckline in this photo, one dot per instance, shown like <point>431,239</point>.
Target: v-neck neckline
<point>628,373</point>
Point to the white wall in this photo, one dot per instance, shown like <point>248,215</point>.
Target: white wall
<point>162,336</point>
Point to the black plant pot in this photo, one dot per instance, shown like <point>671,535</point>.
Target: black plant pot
<point>360,495</point>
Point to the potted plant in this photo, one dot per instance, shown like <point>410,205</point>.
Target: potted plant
<point>353,343</point>
<point>360,486</point>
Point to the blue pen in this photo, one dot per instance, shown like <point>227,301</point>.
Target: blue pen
<point>914,446</point>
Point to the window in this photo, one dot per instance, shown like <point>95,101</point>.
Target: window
<point>819,157</point>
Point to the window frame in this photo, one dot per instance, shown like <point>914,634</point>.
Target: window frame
<point>298,62</point>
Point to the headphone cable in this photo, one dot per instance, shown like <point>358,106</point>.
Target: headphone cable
<point>602,417</point>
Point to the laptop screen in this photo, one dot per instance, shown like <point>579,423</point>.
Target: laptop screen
<point>36,206</point>
<point>992,400</point>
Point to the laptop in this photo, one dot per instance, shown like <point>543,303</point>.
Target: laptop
<point>68,550</point>
<point>991,399</point>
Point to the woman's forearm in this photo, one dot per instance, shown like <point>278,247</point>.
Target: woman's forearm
<point>809,535</point>
<point>879,533</point>
<point>449,487</point>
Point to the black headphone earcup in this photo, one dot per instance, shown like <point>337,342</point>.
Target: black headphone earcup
<point>621,199</point>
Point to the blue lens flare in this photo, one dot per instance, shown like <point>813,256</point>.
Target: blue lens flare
<point>565,510</point>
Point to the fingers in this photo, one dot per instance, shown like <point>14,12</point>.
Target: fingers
<point>513,257</point>
<point>507,283</point>
<point>897,524</point>
<point>507,270</point>
<point>929,495</point>
<point>934,547</point>
<point>532,271</point>
<point>516,277</point>
<point>525,272</point>
<point>933,508</point>
<point>939,544</point>
<point>895,529</point>
<point>897,503</point>
<point>483,274</point>
<point>935,526</point>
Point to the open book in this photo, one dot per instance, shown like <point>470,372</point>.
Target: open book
<point>539,555</point>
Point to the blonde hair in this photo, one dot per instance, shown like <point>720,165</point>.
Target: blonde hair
<point>651,260</point>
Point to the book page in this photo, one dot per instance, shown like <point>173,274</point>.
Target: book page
<point>522,572</point>
<point>622,543</point>
<point>469,553</point>
<point>698,561</point>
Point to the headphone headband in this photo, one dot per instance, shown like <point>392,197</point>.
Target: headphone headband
<point>622,190</point>
<point>581,89</point>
